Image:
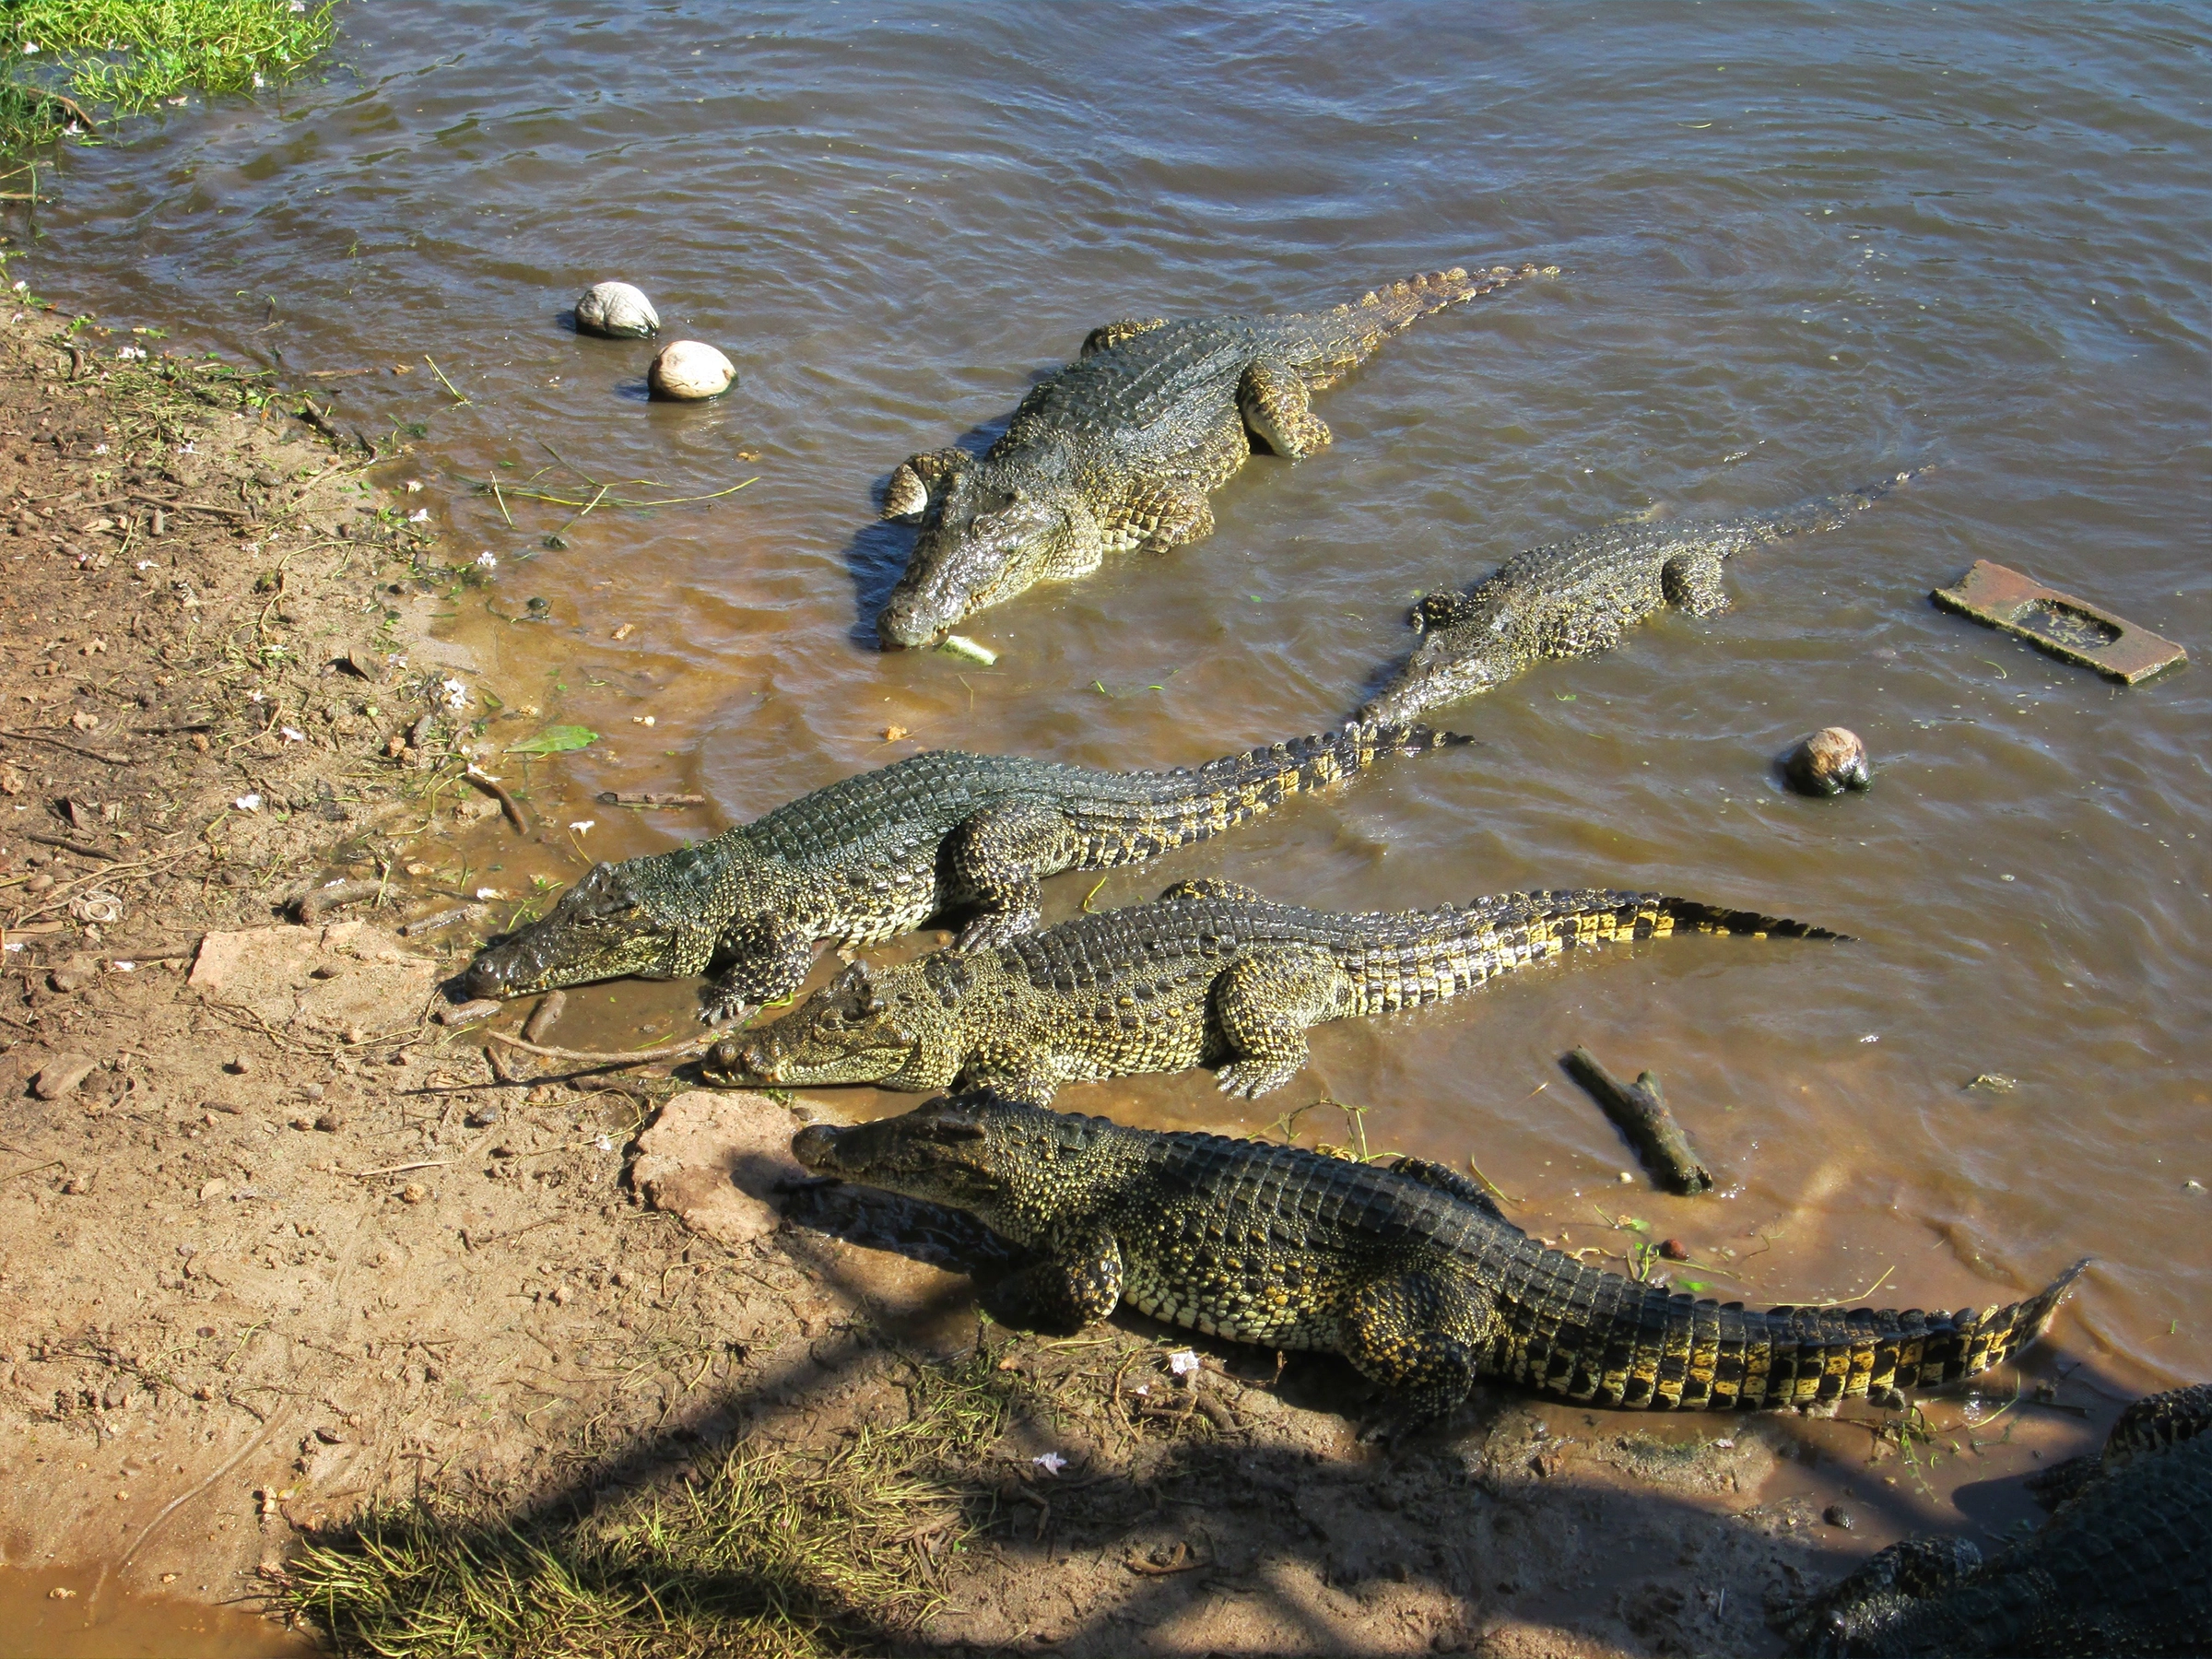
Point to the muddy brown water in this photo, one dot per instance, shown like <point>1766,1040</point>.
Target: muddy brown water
<point>1802,247</point>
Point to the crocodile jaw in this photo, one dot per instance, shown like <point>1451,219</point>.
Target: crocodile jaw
<point>596,930</point>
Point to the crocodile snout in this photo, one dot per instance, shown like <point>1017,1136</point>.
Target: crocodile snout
<point>814,1147</point>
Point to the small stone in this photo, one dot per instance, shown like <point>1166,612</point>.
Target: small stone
<point>560,1297</point>
<point>688,370</point>
<point>483,1117</point>
<point>1674,1250</point>
<point>59,1076</point>
<point>213,1189</point>
<point>1835,1514</point>
<point>617,311</point>
<point>414,1193</point>
<point>239,1065</point>
<point>1827,762</point>
<point>330,1122</point>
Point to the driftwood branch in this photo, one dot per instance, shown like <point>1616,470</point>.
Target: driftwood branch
<point>689,1045</point>
<point>1640,1112</point>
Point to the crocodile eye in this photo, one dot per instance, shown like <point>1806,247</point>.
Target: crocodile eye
<point>831,1016</point>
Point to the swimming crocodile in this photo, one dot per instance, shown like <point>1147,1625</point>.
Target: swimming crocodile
<point>874,855</point>
<point>1577,598</point>
<point>1209,974</point>
<point>1411,1272</point>
<point>1118,451</point>
<point>2123,1567</point>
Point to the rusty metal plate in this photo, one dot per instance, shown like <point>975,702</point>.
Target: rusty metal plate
<point>2071,629</point>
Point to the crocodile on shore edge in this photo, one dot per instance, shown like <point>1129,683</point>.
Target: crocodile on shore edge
<point>1118,451</point>
<point>872,855</point>
<point>2123,1567</point>
<point>1576,598</point>
<point>1411,1272</point>
<point>1210,974</point>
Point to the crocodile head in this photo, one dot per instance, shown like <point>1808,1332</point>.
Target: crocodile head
<point>1016,1167</point>
<point>1460,655</point>
<point>598,929</point>
<point>986,539</point>
<point>852,1031</point>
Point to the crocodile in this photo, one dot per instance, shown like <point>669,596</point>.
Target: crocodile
<point>2123,1567</point>
<point>1410,1270</point>
<point>1209,974</point>
<point>1577,598</point>
<point>872,855</point>
<point>1117,451</point>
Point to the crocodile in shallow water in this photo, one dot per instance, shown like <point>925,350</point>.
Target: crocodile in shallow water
<point>1411,1272</point>
<point>1209,974</point>
<point>2123,1567</point>
<point>1117,451</point>
<point>1575,599</point>
<point>876,854</point>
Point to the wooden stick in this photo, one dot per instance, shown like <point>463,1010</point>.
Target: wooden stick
<point>76,748</point>
<point>508,804</point>
<point>667,1052</point>
<point>314,906</point>
<point>1640,1112</point>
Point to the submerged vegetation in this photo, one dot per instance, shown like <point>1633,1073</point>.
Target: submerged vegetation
<point>767,1549</point>
<point>72,63</point>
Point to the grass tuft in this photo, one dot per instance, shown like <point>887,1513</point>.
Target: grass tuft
<point>71,63</point>
<point>770,1550</point>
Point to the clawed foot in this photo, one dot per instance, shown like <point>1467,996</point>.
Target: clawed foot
<point>719,1006</point>
<point>995,928</point>
<point>1253,1078</point>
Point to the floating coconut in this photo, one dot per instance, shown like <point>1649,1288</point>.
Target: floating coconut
<point>689,370</point>
<point>1829,761</point>
<point>617,311</point>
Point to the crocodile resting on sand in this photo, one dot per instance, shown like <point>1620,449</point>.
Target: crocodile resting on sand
<point>1411,1272</point>
<point>1577,598</point>
<point>874,855</point>
<point>2123,1567</point>
<point>1211,975</point>
<point>1117,451</point>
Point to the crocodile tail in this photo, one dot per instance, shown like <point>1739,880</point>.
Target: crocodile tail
<point>1827,512</point>
<point>1336,339</point>
<point>1195,803</point>
<point>1604,1339</point>
<point>1403,961</point>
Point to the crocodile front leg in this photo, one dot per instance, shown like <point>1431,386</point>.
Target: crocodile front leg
<point>769,956</point>
<point>1160,514</point>
<point>1421,1336</point>
<point>1263,1006</point>
<point>1277,405</point>
<point>1076,1284</point>
<point>996,858</point>
<point>1692,582</point>
<point>919,480</point>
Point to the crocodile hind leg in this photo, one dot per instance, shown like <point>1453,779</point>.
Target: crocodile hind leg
<point>1277,405</point>
<point>1107,335</point>
<point>1421,1335</point>
<point>996,858</point>
<point>917,481</point>
<point>1263,1006</point>
<point>1692,582</point>
<point>1077,1282</point>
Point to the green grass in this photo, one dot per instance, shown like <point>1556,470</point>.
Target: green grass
<point>99,59</point>
<point>774,1551</point>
